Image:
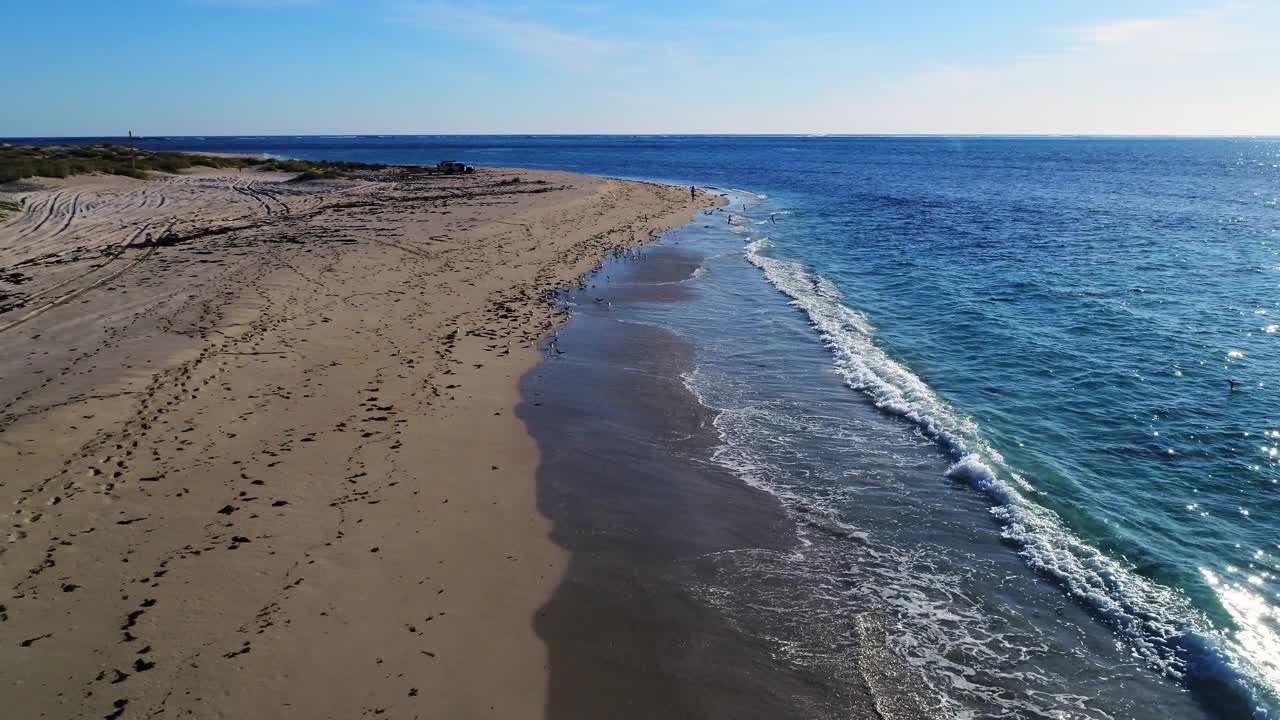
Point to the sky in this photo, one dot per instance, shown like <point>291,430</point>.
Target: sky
<point>226,67</point>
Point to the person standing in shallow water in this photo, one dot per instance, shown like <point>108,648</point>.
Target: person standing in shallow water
<point>693,193</point>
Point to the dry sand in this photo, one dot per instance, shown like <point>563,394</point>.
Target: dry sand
<point>258,455</point>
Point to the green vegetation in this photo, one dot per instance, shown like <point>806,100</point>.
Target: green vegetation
<point>329,168</point>
<point>318,169</point>
<point>21,161</point>
<point>317,175</point>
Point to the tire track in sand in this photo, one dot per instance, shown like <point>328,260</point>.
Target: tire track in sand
<point>71,216</point>
<point>50,207</point>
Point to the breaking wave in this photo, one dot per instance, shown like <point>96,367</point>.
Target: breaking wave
<point>1158,624</point>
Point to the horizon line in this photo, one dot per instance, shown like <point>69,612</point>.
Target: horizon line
<point>646,134</point>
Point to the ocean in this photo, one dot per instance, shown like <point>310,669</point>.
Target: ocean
<point>1016,393</point>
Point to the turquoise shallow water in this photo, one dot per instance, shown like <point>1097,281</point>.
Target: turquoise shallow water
<point>969,358</point>
<point>1089,329</point>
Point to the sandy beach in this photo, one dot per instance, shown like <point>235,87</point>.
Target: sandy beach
<point>259,443</point>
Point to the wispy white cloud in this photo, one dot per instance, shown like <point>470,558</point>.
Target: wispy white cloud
<point>1211,30</point>
<point>1121,32</point>
<point>1198,73</point>
<point>531,37</point>
<point>1193,73</point>
<point>657,62</point>
<point>262,4</point>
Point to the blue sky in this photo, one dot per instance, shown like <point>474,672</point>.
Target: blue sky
<point>204,67</point>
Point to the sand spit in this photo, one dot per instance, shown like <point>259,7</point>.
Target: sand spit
<point>258,455</point>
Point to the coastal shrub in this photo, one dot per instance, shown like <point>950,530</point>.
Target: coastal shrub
<point>52,168</point>
<point>20,161</point>
<point>129,172</point>
<point>172,164</point>
<point>289,166</point>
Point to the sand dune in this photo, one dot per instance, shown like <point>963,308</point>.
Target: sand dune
<point>257,444</point>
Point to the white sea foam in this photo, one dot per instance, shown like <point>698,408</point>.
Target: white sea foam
<point>937,623</point>
<point>1160,625</point>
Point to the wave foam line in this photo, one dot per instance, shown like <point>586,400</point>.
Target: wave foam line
<point>1159,624</point>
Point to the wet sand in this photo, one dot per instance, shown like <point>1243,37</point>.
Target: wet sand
<point>259,449</point>
<point>652,525</point>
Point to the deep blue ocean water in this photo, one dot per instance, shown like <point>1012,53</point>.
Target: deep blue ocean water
<point>1020,393</point>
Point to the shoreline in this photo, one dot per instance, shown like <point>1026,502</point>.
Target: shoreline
<point>309,399</point>
<point>866,484</point>
<point>626,637</point>
<point>654,528</point>
<point>881,548</point>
